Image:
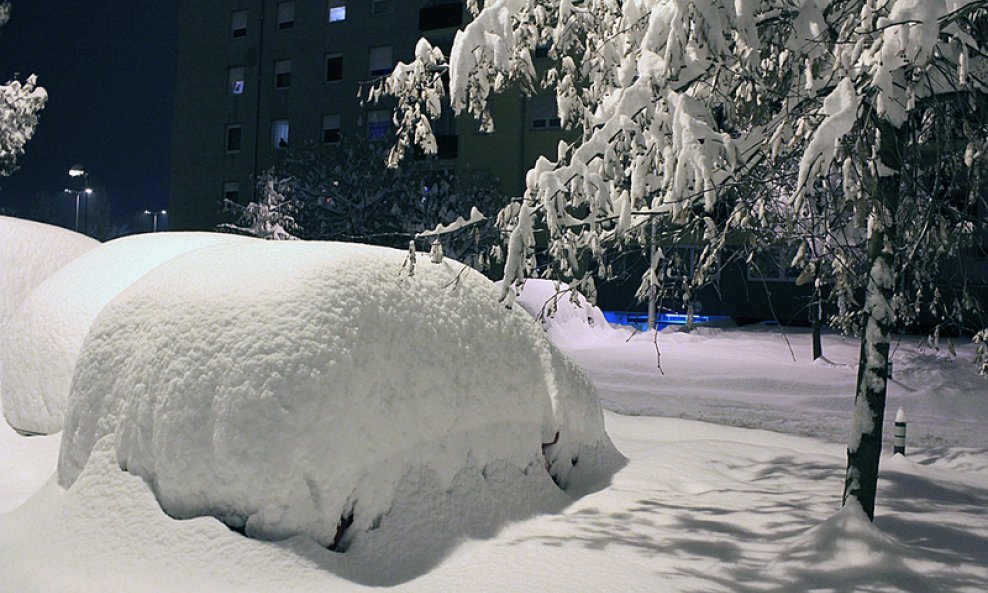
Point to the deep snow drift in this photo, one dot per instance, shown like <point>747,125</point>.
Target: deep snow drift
<point>315,388</point>
<point>29,253</point>
<point>42,340</point>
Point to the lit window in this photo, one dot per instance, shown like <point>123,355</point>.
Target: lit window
<point>282,74</point>
<point>337,11</point>
<point>382,7</point>
<point>279,134</point>
<point>234,136</point>
<point>236,80</point>
<point>238,24</point>
<point>231,191</point>
<point>334,67</point>
<point>381,61</point>
<point>286,15</point>
<point>543,112</point>
<point>378,124</point>
<point>330,129</point>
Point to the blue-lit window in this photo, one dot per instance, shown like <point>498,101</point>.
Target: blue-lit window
<point>279,134</point>
<point>378,124</point>
<point>236,81</point>
<point>337,11</point>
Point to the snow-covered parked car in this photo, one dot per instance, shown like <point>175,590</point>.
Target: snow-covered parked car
<point>323,389</point>
<point>41,342</point>
<point>29,253</point>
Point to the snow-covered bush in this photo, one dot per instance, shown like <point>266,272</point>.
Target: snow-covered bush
<point>562,312</point>
<point>272,217</point>
<point>40,344</point>
<point>288,387</point>
<point>29,253</point>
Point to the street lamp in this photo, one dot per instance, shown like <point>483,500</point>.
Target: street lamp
<point>154,218</point>
<point>78,171</point>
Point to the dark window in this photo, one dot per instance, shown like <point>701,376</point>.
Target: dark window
<point>234,136</point>
<point>330,129</point>
<point>238,24</point>
<point>286,15</point>
<point>381,61</point>
<point>441,17</point>
<point>382,7</point>
<point>334,68</point>
<point>447,147</point>
<point>282,74</point>
<point>231,191</point>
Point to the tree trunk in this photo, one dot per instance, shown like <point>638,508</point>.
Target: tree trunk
<point>816,315</point>
<point>865,446</point>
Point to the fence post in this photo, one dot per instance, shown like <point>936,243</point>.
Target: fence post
<point>899,438</point>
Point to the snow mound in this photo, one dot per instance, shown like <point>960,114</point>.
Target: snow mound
<point>551,304</point>
<point>292,387</point>
<point>42,340</point>
<point>29,253</point>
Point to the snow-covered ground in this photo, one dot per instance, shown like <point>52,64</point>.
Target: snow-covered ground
<point>700,506</point>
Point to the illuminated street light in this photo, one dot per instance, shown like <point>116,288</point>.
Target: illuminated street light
<point>154,218</point>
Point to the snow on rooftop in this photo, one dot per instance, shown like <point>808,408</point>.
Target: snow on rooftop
<point>42,340</point>
<point>293,388</point>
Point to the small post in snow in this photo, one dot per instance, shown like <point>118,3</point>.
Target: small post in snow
<point>899,438</point>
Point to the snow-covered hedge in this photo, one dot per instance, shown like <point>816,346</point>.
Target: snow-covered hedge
<point>29,253</point>
<point>41,342</point>
<point>290,387</point>
<point>552,305</point>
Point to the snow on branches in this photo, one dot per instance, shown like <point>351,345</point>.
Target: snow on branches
<point>20,103</point>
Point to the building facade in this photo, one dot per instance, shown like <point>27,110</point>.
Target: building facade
<point>255,77</point>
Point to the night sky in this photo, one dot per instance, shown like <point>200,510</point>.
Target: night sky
<point>109,69</point>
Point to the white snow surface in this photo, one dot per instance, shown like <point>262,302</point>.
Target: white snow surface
<point>284,386</point>
<point>29,253</point>
<point>698,507</point>
<point>552,305</point>
<point>42,340</point>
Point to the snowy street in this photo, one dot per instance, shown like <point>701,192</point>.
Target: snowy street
<point>698,507</point>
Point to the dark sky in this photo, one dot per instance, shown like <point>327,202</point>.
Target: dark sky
<point>109,68</point>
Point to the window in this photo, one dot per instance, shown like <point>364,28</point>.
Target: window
<point>282,74</point>
<point>238,24</point>
<point>235,83</point>
<point>441,16</point>
<point>330,129</point>
<point>334,67</point>
<point>286,15</point>
<point>279,134</point>
<point>772,265</point>
<point>542,112</point>
<point>381,62</point>
<point>378,124</point>
<point>382,7</point>
<point>234,136</point>
<point>337,11</point>
<point>231,191</point>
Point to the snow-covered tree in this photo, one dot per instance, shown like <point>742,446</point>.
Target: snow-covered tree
<point>349,194</point>
<point>694,113</point>
<point>271,217</point>
<point>20,103</point>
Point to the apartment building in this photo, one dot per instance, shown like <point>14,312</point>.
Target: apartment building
<point>255,77</point>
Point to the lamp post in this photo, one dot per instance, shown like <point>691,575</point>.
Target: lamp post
<point>78,171</point>
<point>154,218</point>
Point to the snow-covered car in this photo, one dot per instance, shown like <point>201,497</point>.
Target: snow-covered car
<point>42,340</point>
<point>320,389</point>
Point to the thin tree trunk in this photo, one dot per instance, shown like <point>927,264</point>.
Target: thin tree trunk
<point>865,446</point>
<point>816,316</point>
